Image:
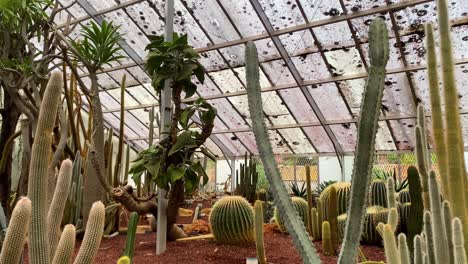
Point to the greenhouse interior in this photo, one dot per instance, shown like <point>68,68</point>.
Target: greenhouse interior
<point>229,132</point>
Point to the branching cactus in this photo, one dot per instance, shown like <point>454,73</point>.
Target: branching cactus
<point>16,234</point>
<point>367,130</point>
<point>258,217</point>
<point>66,246</point>
<point>293,222</point>
<point>38,169</point>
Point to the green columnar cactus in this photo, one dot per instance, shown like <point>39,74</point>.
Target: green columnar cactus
<point>16,234</point>
<point>391,250</point>
<point>59,200</point>
<point>447,215</point>
<point>415,222</point>
<point>421,148</point>
<point>429,238</point>
<point>391,196</point>
<point>66,246</point>
<point>131,232</point>
<point>315,225</point>
<point>403,249</point>
<point>458,242</point>
<point>438,228</point>
<point>404,196</point>
<point>293,223</point>
<point>418,254</point>
<point>301,208</point>
<point>378,193</point>
<point>259,232</point>
<point>367,130</point>
<point>262,195</point>
<point>231,220</point>
<point>374,215</point>
<point>309,201</point>
<point>333,217</point>
<point>319,218</point>
<point>343,190</point>
<point>73,206</point>
<point>40,153</point>
<point>436,109</point>
<point>326,239</point>
<point>93,235</point>
<point>124,260</point>
<point>247,182</point>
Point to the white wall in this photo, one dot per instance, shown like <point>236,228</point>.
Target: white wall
<point>329,169</point>
<point>223,170</point>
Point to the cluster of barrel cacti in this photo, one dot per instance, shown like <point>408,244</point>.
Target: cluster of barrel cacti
<point>301,208</point>
<point>247,178</point>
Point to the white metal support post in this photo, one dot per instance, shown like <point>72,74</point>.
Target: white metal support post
<point>166,114</point>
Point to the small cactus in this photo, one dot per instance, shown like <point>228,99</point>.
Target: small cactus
<point>66,246</point>
<point>332,216</point>
<point>429,238</point>
<point>391,196</point>
<point>259,232</point>
<point>391,251</point>
<point>124,260</point>
<point>326,239</point>
<point>418,254</point>
<point>447,214</point>
<point>315,225</point>
<point>231,220</point>
<point>343,190</point>
<point>403,249</point>
<point>458,242</point>
<point>131,231</point>
<point>301,208</point>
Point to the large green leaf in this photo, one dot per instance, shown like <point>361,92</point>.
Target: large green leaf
<point>198,168</point>
<point>185,116</point>
<point>175,173</point>
<point>191,181</point>
<point>153,168</point>
<point>184,140</point>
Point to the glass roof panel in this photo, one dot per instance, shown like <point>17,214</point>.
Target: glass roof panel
<point>244,17</point>
<point>297,140</point>
<point>397,95</point>
<point>282,14</point>
<point>299,42</point>
<point>298,105</point>
<point>316,10</point>
<point>383,140</point>
<point>228,113</point>
<point>311,66</point>
<point>329,101</point>
<point>334,35</point>
<point>345,61</point>
<point>346,135</point>
<point>403,131</point>
<point>319,138</point>
<point>248,139</point>
<point>146,18</point>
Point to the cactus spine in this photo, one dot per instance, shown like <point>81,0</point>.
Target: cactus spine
<point>447,214</point>
<point>16,233</point>
<point>458,242</point>
<point>231,220</point>
<point>54,217</point>
<point>309,201</point>
<point>131,232</point>
<point>38,169</point>
<point>391,196</point>
<point>367,130</point>
<point>403,249</point>
<point>66,246</point>
<point>93,235</point>
<point>391,250</point>
<point>259,232</point>
<point>293,223</point>
<point>327,243</point>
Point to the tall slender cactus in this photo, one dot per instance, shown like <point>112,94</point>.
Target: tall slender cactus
<point>367,130</point>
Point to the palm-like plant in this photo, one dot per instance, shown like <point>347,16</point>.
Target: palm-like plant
<point>378,174</point>
<point>299,191</point>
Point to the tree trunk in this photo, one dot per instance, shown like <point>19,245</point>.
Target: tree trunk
<point>176,197</point>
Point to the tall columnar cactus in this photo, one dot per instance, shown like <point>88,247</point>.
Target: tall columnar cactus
<point>319,218</point>
<point>415,222</point>
<point>374,216</point>
<point>333,217</point>
<point>378,193</point>
<point>231,220</point>
<point>131,232</point>
<point>293,223</point>
<point>391,196</point>
<point>262,195</point>
<point>438,228</point>
<point>343,190</point>
<point>16,234</point>
<point>93,235</point>
<point>327,244</point>
<point>447,214</point>
<point>392,218</point>
<point>404,196</point>
<point>301,208</point>
<point>66,246</point>
<point>403,249</point>
<point>404,211</point>
<point>391,250</point>
<point>429,237</point>
<point>309,201</point>
<point>367,130</point>
<point>418,255</point>
<point>315,225</point>
<point>59,200</point>
<point>38,169</point>
<point>421,156</point>
<point>258,217</point>
<point>458,242</point>
<point>247,179</point>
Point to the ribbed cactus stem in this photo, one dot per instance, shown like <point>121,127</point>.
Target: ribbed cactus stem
<point>414,225</point>
<point>15,238</point>
<point>428,226</point>
<point>436,109</point>
<point>258,207</point>
<point>326,239</point>
<point>309,201</point>
<point>93,235</point>
<point>391,250</point>
<point>131,232</point>
<point>319,218</point>
<point>124,260</point>
<point>66,246</point>
<point>38,170</point>
<point>403,249</point>
<point>59,200</point>
<point>458,242</point>
<point>367,130</point>
<point>333,215</point>
<point>438,228</point>
<point>422,169</point>
<point>447,215</point>
<point>391,197</point>
<point>283,202</point>
<point>418,257</point>
<point>315,225</point>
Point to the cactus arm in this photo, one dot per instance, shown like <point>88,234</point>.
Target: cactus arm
<point>131,231</point>
<point>391,250</point>
<point>93,235</point>
<point>436,109</point>
<point>367,130</point>
<point>260,245</point>
<point>16,235</point>
<point>37,189</point>
<point>66,246</point>
<point>283,202</point>
<point>458,241</point>
<point>59,200</point>
<point>403,249</point>
<point>447,214</point>
<point>118,159</point>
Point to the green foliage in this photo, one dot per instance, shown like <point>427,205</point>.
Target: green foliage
<point>15,12</point>
<point>262,182</point>
<point>378,174</point>
<point>176,61</point>
<point>298,191</point>
<point>99,45</point>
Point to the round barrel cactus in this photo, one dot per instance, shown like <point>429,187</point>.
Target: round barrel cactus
<point>404,214</point>
<point>232,220</point>
<point>378,193</point>
<point>343,190</point>
<point>301,207</point>
<point>404,196</point>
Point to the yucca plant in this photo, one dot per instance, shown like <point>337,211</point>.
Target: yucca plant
<point>378,174</point>
<point>298,191</point>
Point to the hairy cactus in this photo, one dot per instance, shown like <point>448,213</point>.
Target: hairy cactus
<point>447,215</point>
<point>391,250</point>
<point>404,196</point>
<point>391,196</point>
<point>231,220</point>
<point>301,208</point>
<point>124,260</point>
<point>54,217</point>
<point>92,237</point>
<point>259,232</point>
<point>418,253</point>
<point>293,223</point>
<point>458,242</point>
<point>16,233</point>
<point>315,225</point>
<point>429,238</point>
<point>309,201</point>
<point>421,155</point>
<point>378,193</point>
<point>66,246</point>
<point>403,249</point>
<point>367,130</point>
<point>247,182</point>
<point>39,167</point>
<point>343,190</point>
<point>131,231</point>
<point>326,239</point>
<point>415,222</point>
<point>392,218</point>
